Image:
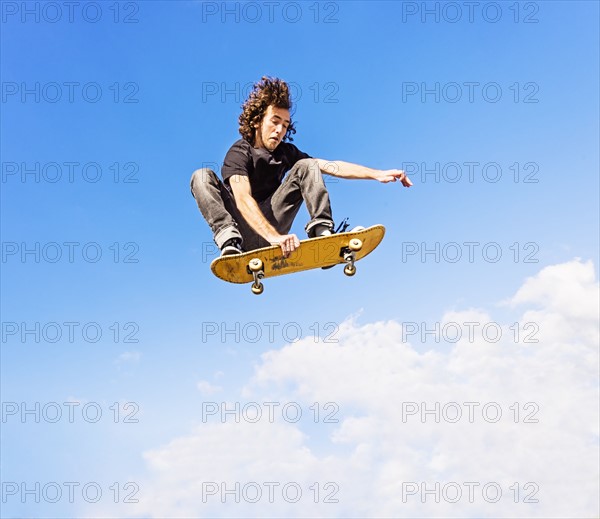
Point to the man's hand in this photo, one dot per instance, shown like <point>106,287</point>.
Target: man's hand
<point>288,243</point>
<point>392,175</point>
<point>248,207</point>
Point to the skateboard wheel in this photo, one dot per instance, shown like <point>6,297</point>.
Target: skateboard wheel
<point>255,264</point>
<point>349,270</point>
<point>355,244</point>
<point>257,289</point>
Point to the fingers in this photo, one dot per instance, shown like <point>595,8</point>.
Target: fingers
<point>284,248</point>
<point>400,175</point>
<point>289,244</point>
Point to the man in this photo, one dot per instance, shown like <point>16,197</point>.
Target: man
<point>255,205</point>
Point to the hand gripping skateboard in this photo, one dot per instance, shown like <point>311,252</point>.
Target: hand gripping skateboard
<point>324,251</point>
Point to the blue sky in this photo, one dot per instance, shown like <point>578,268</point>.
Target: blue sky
<point>171,85</point>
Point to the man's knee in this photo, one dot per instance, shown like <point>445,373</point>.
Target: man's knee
<point>308,164</point>
<point>309,168</point>
<point>200,178</point>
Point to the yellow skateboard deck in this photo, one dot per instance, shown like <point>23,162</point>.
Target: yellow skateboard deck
<point>325,251</point>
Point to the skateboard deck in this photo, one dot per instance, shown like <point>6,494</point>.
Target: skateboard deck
<point>324,251</point>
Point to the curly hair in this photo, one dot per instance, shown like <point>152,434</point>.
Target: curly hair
<point>267,92</point>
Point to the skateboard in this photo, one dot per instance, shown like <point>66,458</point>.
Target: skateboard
<point>324,251</point>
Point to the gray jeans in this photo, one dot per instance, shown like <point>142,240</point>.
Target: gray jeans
<point>303,182</point>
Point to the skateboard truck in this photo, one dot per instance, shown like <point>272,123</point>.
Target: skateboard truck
<point>349,255</point>
<point>255,267</point>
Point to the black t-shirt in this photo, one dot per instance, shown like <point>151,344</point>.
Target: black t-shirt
<point>264,169</point>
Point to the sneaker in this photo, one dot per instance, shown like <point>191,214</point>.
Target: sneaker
<point>357,228</point>
<point>232,246</point>
<point>320,230</point>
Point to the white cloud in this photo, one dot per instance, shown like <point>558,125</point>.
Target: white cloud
<point>542,377</point>
<point>128,357</point>
<point>206,388</point>
<point>568,288</point>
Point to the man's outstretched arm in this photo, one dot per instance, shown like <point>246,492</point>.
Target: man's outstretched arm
<point>240,185</point>
<point>341,169</point>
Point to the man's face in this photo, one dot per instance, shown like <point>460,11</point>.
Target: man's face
<point>272,128</point>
